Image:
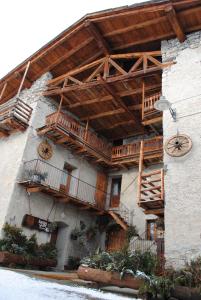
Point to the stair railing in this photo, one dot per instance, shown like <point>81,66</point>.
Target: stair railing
<point>142,244</point>
<point>125,213</point>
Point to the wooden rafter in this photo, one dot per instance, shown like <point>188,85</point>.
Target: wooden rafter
<point>104,114</point>
<point>128,92</point>
<point>141,63</point>
<point>174,22</point>
<point>93,30</point>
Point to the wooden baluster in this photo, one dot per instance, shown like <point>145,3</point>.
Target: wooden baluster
<point>141,158</point>
<point>59,110</point>
<point>143,99</point>
<point>162,185</point>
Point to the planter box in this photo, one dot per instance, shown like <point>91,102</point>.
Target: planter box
<point>108,278</point>
<point>7,258</point>
<point>185,293</point>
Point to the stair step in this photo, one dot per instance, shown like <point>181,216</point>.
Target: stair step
<point>151,181</point>
<point>158,187</point>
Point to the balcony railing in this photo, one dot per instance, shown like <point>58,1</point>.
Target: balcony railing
<point>15,110</point>
<point>86,137</point>
<point>63,129</point>
<point>148,110</point>
<point>133,150</point>
<point>61,184</point>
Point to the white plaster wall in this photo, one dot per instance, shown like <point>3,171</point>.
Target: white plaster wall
<point>182,86</point>
<point>128,197</point>
<point>21,147</point>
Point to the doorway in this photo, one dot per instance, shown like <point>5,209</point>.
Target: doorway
<point>116,238</point>
<point>115,192</point>
<point>151,230</point>
<point>66,178</point>
<point>59,238</point>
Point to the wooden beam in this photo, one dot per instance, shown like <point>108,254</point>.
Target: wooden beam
<point>62,140</point>
<point>67,54</point>
<point>113,79</point>
<point>3,90</point>
<point>104,114</point>
<point>159,211</point>
<point>125,93</point>
<point>116,125</point>
<point>23,78</point>
<point>34,189</point>
<point>133,27</point>
<point>117,99</point>
<point>174,22</point>
<point>118,220</point>
<point>93,30</point>
<point>143,41</point>
<point>152,121</point>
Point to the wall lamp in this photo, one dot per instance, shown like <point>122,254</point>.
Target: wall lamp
<point>163,104</point>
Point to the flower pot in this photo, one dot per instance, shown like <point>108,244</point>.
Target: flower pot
<point>186,293</point>
<point>108,278</point>
<point>7,258</point>
<point>36,178</point>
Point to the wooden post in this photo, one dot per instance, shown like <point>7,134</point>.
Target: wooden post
<point>23,78</point>
<point>59,108</point>
<point>3,90</point>
<point>143,98</point>
<point>86,130</point>
<point>162,184</point>
<point>140,170</point>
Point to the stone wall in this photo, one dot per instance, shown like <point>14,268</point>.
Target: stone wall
<point>181,85</point>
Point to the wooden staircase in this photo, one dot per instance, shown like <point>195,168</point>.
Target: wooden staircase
<point>150,189</point>
<point>122,215</point>
<point>119,220</point>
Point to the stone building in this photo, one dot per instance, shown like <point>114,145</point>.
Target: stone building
<point>100,131</point>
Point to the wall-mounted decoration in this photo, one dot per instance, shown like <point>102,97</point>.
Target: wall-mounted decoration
<point>32,222</point>
<point>45,150</point>
<point>178,145</point>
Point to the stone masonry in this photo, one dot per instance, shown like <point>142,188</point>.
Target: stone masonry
<point>181,85</point>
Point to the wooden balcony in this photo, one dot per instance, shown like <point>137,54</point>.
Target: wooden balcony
<point>40,176</point>
<point>151,192</point>
<point>65,131</point>
<point>149,114</point>
<point>14,116</point>
<point>129,154</point>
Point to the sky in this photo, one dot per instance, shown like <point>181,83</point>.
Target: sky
<point>27,25</point>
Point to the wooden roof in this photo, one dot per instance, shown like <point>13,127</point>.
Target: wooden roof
<point>126,29</point>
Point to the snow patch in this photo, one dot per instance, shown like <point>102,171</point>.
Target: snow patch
<point>14,286</point>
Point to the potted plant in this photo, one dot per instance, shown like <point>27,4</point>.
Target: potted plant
<point>36,176</point>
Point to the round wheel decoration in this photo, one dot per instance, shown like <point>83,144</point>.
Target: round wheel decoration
<point>178,145</point>
<point>45,150</point>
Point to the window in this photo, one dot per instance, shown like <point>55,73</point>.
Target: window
<point>115,191</point>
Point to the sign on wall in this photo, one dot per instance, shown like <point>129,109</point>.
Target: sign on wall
<point>32,222</point>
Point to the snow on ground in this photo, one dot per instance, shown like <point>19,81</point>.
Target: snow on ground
<point>14,286</point>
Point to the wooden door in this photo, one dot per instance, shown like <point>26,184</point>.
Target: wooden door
<point>115,192</point>
<point>101,190</point>
<point>151,230</point>
<point>116,239</point>
<point>66,178</point>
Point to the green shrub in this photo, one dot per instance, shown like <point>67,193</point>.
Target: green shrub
<point>131,232</point>
<point>15,241</point>
<point>73,263</point>
<point>122,261</point>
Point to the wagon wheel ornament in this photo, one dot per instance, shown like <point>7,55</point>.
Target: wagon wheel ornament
<point>178,145</point>
<point>45,150</point>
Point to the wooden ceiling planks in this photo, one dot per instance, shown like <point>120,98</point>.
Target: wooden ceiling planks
<point>139,27</point>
